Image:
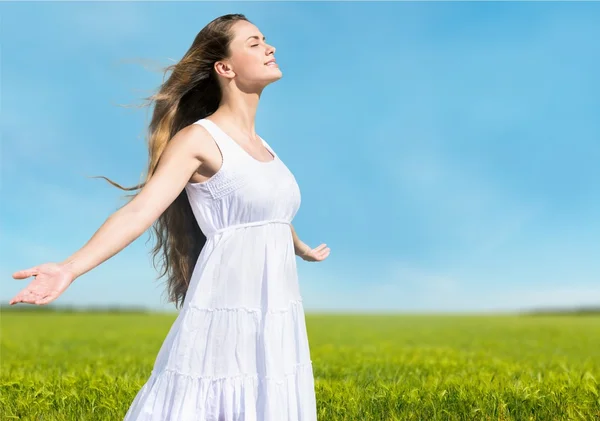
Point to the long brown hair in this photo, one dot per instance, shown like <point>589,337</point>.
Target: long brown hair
<point>191,93</point>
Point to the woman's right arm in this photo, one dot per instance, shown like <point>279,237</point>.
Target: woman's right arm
<point>181,158</point>
<point>178,162</point>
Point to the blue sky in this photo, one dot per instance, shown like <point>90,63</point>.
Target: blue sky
<point>447,152</point>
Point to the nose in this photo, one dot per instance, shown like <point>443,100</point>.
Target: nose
<point>271,49</point>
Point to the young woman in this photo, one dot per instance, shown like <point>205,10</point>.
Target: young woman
<point>223,202</point>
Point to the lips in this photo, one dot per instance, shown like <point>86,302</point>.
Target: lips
<point>270,62</point>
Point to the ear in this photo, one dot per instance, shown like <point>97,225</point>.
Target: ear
<point>223,68</point>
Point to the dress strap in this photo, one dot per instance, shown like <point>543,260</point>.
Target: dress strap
<point>269,148</point>
<point>221,139</point>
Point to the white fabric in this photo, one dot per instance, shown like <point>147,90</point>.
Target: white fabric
<point>238,350</point>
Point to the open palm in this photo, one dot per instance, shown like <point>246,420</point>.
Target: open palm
<point>51,280</point>
<point>317,254</point>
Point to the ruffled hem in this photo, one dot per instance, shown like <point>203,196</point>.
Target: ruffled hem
<point>169,395</point>
<point>231,364</point>
<point>222,342</point>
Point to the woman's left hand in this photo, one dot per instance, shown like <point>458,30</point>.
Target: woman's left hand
<point>317,254</point>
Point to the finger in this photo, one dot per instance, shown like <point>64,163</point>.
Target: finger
<point>319,248</point>
<point>30,297</point>
<point>324,255</point>
<point>23,299</point>
<point>325,250</point>
<point>17,298</point>
<point>26,273</point>
<point>27,296</point>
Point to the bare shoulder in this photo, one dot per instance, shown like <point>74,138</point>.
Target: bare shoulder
<point>196,140</point>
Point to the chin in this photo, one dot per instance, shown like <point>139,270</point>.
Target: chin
<point>275,78</point>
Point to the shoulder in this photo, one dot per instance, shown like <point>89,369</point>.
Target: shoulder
<point>195,139</point>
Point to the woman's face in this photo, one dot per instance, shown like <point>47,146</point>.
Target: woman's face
<point>250,57</point>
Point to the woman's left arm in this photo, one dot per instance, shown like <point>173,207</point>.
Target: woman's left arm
<point>306,252</point>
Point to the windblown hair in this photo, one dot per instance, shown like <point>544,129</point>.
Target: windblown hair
<point>191,93</point>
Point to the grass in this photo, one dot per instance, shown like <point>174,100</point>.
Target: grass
<point>89,366</point>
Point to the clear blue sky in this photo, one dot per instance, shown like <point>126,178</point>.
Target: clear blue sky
<point>448,153</point>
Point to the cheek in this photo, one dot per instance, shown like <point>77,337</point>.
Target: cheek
<point>250,64</point>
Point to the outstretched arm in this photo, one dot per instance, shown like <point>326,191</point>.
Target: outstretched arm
<point>181,158</point>
<point>178,162</point>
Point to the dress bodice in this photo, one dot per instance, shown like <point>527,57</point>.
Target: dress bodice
<point>244,191</point>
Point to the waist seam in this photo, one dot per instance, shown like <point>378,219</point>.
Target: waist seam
<point>247,224</point>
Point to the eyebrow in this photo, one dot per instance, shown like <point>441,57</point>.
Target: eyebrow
<point>256,37</point>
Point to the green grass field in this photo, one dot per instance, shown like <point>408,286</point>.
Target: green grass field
<point>89,366</point>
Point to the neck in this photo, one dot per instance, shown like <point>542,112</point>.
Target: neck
<point>238,111</point>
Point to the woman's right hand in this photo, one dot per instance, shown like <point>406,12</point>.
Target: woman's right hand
<point>51,280</point>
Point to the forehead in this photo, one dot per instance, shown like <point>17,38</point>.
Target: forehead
<point>243,29</point>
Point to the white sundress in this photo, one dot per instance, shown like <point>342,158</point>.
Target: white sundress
<point>238,349</point>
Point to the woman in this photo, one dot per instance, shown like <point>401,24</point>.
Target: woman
<point>223,203</point>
